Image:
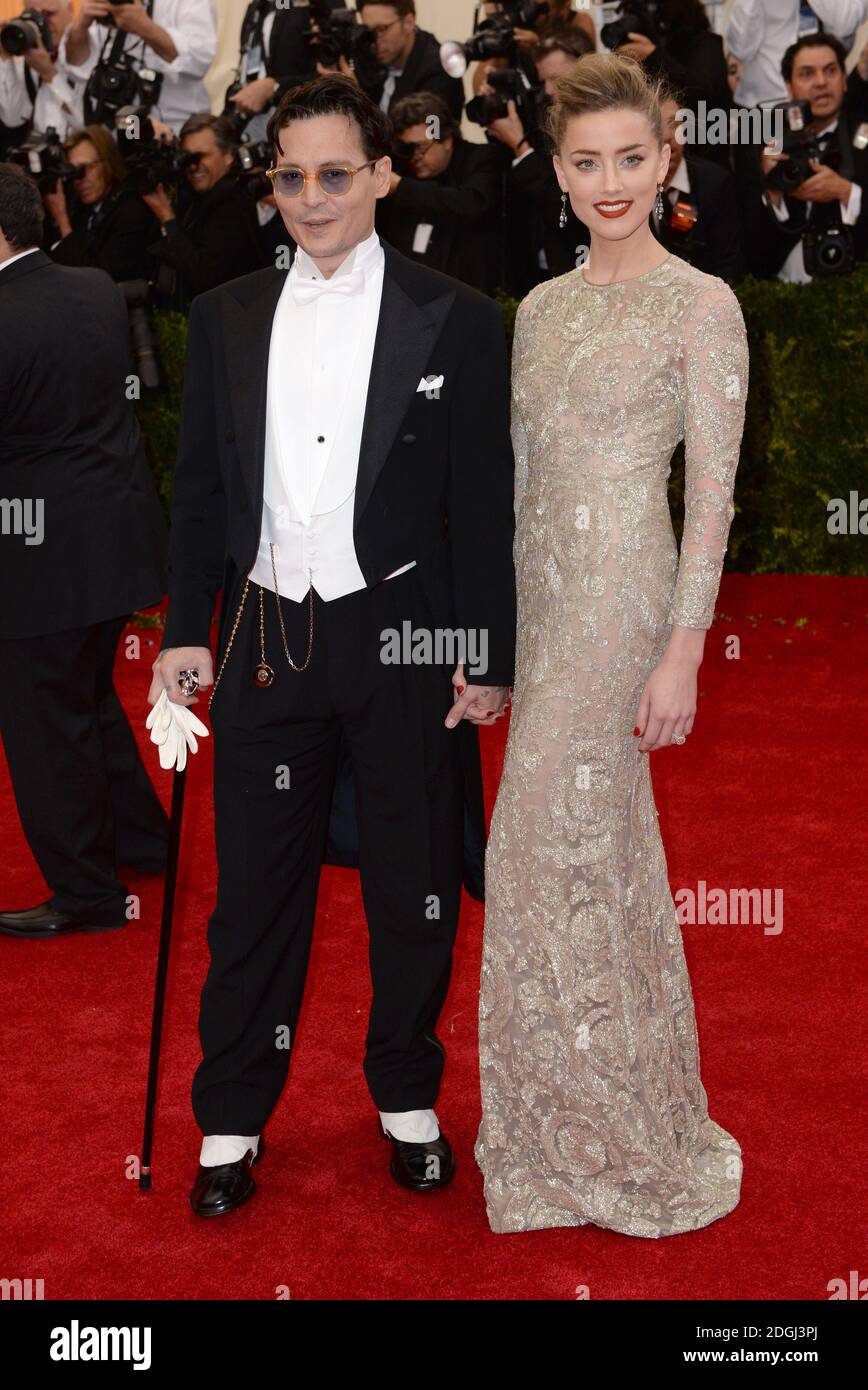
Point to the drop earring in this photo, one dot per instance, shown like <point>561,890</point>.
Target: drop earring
<point>562,220</point>
<point>658,206</point>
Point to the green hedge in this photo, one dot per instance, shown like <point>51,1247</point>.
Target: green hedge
<point>806,430</point>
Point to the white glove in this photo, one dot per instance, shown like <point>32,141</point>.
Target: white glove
<point>174,729</point>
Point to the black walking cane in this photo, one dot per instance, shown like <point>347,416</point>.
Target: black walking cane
<point>178,784</point>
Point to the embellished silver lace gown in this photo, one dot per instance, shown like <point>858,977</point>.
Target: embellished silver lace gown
<point>593,1110</point>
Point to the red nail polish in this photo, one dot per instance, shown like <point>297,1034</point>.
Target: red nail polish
<point>637,731</point>
<point>460,689</point>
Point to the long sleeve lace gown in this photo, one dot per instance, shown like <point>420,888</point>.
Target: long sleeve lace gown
<point>593,1110</point>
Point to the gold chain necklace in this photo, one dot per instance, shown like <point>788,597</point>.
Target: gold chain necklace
<point>263,674</point>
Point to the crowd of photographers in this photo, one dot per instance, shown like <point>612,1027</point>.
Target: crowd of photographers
<point>106,109</point>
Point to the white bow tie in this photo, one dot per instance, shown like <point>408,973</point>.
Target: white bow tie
<point>304,291</point>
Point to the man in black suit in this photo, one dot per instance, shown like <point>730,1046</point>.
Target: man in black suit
<point>104,224</point>
<point>82,547</point>
<point>700,219</point>
<point>556,236</point>
<point>833,196</point>
<point>410,55</point>
<point>444,206</point>
<point>276,53</point>
<point>212,235</point>
<point>345,471</point>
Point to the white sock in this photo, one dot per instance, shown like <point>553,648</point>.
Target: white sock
<point>226,1148</point>
<point>412,1126</point>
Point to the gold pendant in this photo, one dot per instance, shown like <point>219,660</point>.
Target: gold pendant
<point>263,674</point>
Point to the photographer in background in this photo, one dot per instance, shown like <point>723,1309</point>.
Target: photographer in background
<point>813,191</point>
<point>410,55</point>
<point>760,32</point>
<point>275,54</point>
<point>38,87</point>
<point>70,452</point>
<point>700,221</point>
<point>564,14</point>
<point>213,235</point>
<point>105,224</point>
<point>175,39</point>
<point>444,206</point>
<point>532,185</point>
<point>675,41</point>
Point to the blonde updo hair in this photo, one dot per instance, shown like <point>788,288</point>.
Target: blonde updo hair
<point>605,82</point>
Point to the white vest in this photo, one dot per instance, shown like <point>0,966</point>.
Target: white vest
<point>318,370</point>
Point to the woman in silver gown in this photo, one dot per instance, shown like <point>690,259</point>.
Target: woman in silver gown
<point>593,1107</point>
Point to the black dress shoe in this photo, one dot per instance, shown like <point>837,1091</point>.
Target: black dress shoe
<point>421,1166</point>
<point>224,1186</point>
<point>43,921</point>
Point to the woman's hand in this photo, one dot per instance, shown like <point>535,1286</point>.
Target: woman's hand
<point>668,702</point>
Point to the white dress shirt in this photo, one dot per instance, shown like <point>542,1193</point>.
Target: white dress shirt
<point>319,365</point>
<point>760,32</point>
<point>193,30</point>
<point>58,103</point>
<point>17,257</point>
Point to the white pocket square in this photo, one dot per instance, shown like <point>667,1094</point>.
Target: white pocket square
<point>429,384</point>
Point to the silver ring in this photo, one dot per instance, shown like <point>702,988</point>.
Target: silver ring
<point>679,738</point>
<point>188,682</point>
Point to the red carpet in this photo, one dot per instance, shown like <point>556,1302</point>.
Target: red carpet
<point>769,792</point>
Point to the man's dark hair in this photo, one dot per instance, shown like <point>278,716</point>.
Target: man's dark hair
<point>323,96</point>
<point>416,107</point>
<point>401,7</point>
<point>21,212</point>
<point>788,62</point>
<point>563,38</point>
<point>224,131</point>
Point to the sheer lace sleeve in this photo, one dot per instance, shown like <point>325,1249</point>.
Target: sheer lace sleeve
<point>518,429</point>
<point>715,365</point>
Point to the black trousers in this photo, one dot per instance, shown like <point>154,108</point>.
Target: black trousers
<point>274,752</point>
<point>85,800</point>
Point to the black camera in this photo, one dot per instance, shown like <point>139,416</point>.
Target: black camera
<point>493,38</point>
<point>490,39</point>
<point>143,338</point>
<point>634,17</point>
<point>108,20</point>
<point>507,83</point>
<point>149,161</point>
<point>252,157</point>
<point>115,84</point>
<point>800,145</point>
<point>43,157</point>
<point>828,252</point>
<point>25,32</point>
<point>339,35</point>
